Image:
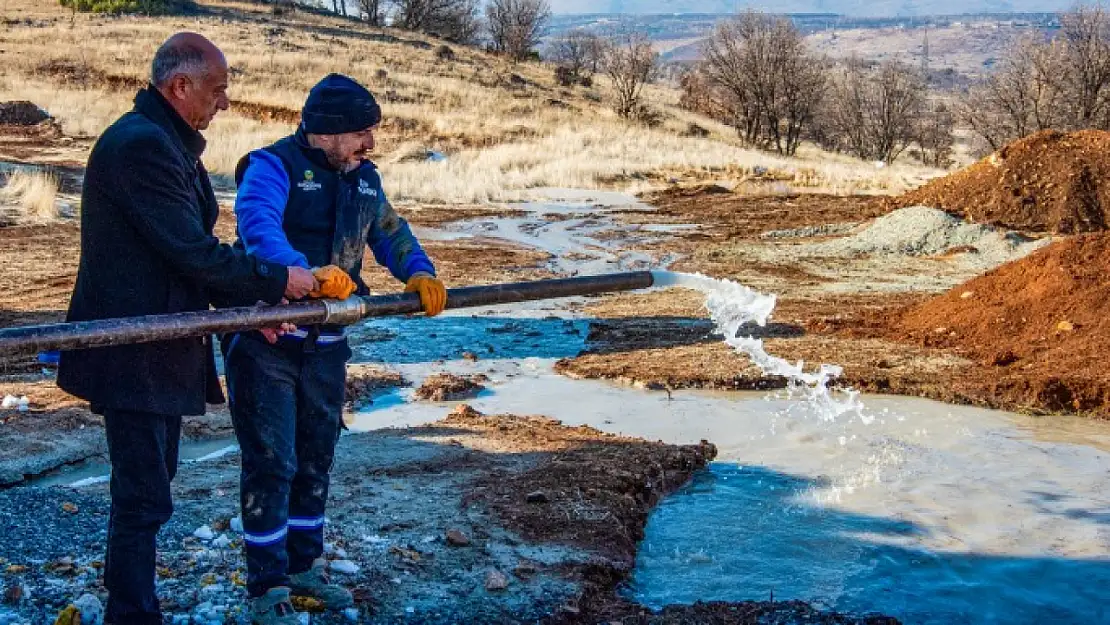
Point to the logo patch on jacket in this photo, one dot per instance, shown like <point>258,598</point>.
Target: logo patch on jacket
<point>308,184</point>
<point>365,189</point>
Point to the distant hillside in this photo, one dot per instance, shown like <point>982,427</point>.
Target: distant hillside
<point>872,8</point>
<point>967,44</point>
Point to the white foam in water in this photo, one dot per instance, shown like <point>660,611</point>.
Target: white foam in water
<point>733,306</point>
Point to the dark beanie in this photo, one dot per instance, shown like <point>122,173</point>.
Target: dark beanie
<point>338,104</point>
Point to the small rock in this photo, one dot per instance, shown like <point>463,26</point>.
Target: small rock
<point>496,580</point>
<point>204,533</point>
<point>92,612</point>
<point>1065,326</point>
<point>237,525</point>
<point>222,542</point>
<point>524,571</point>
<point>351,614</point>
<point>307,604</point>
<point>61,566</point>
<point>68,616</point>
<point>13,595</point>
<point>471,356</point>
<point>70,507</point>
<point>456,538</point>
<point>15,569</point>
<point>344,566</point>
<point>967,294</point>
<point>536,497</point>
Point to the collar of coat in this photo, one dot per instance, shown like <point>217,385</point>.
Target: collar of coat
<point>154,106</point>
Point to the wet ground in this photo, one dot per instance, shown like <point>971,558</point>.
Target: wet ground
<point>563,562</point>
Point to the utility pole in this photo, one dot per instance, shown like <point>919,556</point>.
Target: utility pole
<point>925,55</point>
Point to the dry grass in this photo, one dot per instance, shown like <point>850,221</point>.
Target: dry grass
<point>28,198</point>
<point>606,153</point>
<point>502,134</point>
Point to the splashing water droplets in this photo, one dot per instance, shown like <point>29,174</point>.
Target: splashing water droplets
<point>733,306</point>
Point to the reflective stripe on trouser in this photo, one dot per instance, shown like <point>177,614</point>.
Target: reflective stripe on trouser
<point>286,406</point>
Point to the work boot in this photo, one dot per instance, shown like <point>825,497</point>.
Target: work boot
<point>314,583</point>
<point>274,608</point>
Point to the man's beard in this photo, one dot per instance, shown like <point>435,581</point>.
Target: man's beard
<point>339,163</point>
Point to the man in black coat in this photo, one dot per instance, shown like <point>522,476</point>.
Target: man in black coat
<point>147,247</point>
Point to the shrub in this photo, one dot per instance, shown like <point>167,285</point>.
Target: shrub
<point>115,7</point>
<point>445,53</point>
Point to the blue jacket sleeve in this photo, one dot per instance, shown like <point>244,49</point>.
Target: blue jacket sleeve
<point>394,245</point>
<point>260,207</point>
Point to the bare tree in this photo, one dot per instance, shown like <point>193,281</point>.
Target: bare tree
<point>873,112</point>
<point>456,20</point>
<point>765,77</point>
<point>372,11</point>
<point>578,51</point>
<point>934,134</point>
<point>1085,41</point>
<point>515,25</point>
<point>630,62</point>
<point>1025,95</point>
<point>1063,84</point>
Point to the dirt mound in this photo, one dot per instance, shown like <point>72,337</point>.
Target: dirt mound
<point>682,191</point>
<point>1040,323</point>
<point>364,380</point>
<point>21,113</point>
<point>448,387</point>
<point>1049,181</point>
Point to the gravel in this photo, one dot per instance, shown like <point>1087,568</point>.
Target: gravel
<point>808,232</point>
<point>924,231</point>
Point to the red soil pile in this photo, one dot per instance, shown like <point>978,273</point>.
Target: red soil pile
<point>1040,326</point>
<point>1049,181</point>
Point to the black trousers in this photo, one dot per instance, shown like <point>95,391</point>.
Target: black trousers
<point>287,407</point>
<point>143,448</point>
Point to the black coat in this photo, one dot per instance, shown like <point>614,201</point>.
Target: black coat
<point>147,214</point>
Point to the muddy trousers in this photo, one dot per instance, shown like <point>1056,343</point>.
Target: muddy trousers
<point>143,449</point>
<point>286,405</point>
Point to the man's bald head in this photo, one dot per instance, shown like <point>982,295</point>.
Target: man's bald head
<point>191,73</point>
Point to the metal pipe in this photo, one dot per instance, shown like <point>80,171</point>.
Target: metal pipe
<point>149,328</point>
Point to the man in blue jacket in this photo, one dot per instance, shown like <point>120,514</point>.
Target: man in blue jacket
<point>310,200</point>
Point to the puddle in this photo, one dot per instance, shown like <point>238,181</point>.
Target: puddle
<point>932,514</point>
<point>93,472</point>
<point>576,229</point>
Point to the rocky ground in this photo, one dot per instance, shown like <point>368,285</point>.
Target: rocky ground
<point>475,518</point>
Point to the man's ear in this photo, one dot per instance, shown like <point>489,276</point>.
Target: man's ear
<point>179,86</point>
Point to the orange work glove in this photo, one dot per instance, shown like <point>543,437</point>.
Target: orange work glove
<point>433,295</point>
<point>334,283</point>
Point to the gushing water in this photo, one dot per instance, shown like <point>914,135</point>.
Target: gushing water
<point>732,307</point>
